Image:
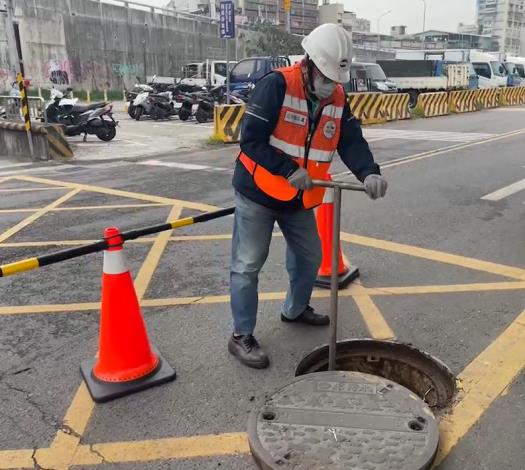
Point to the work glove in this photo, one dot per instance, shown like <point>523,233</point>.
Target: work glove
<point>375,186</point>
<point>300,179</point>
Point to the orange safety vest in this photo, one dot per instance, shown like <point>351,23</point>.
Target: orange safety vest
<point>311,148</point>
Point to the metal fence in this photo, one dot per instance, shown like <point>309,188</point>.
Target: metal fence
<point>11,108</point>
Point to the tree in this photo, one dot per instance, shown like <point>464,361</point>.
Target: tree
<point>268,39</point>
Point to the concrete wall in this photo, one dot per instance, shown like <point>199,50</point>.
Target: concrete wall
<point>94,45</point>
<point>6,75</point>
<point>14,143</point>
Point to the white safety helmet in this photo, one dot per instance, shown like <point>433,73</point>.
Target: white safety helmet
<point>329,46</point>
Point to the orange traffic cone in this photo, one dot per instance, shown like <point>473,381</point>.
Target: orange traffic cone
<point>126,362</point>
<point>325,221</point>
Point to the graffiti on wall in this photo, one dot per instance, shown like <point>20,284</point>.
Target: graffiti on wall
<point>4,75</point>
<point>122,70</point>
<point>58,71</point>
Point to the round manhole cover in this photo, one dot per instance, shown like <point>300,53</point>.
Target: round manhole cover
<point>343,420</point>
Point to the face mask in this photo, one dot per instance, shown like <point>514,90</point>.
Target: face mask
<point>323,89</point>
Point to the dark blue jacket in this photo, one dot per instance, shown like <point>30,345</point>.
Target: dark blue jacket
<point>260,119</point>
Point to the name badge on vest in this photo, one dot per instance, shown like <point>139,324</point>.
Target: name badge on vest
<point>295,118</point>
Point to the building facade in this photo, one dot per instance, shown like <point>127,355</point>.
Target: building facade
<point>335,13</point>
<point>303,14</point>
<point>504,19</point>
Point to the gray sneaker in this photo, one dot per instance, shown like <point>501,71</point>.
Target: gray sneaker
<point>247,350</point>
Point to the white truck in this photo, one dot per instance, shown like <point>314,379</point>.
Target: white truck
<point>415,76</point>
<point>209,73</point>
<point>490,69</point>
<point>447,55</point>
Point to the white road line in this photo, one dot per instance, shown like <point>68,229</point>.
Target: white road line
<point>426,135</point>
<point>182,166</point>
<point>505,192</point>
<point>509,109</point>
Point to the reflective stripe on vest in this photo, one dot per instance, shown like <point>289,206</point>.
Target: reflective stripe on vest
<point>291,137</point>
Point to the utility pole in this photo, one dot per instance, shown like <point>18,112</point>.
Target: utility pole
<point>15,63</point>
<point>14,58</point>
<point>379,28</point>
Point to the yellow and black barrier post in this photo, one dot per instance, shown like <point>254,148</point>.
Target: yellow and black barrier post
<point>101,245</point>
<point>25,110</point>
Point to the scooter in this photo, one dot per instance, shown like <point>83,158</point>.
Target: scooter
<point>62,109</point>
<point>96,118</point>
<point>99,122</point>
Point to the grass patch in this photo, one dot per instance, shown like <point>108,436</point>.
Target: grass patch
<point>417,112</point>
<point>214,140</point>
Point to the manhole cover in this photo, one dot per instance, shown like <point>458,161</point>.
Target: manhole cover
<point>417,370</point>
<point>343,420</point>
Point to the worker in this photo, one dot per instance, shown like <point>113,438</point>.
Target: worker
<point>295,120</point>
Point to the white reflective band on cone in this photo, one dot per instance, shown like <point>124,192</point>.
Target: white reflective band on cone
<point>115,262</point>
<point>328,196</point>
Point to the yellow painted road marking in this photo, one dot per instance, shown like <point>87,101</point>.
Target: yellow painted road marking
<point>152,260</point>
<point>451,289</point>
<point>268,296</point>
<point>484,379</point>
<point>118,192</point>
<point>19,458</point>
<point>84,208</point>
<point>439,256</point>
<point>163,449</point>
<point>4,179</point>
<point>24,223</point>
<point>374,319</point>
<point>21,190</point>
<point>63,447</point>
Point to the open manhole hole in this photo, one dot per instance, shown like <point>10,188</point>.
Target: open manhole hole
<point>416,370</point>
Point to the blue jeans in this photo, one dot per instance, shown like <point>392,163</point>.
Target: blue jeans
<point>252,234</point>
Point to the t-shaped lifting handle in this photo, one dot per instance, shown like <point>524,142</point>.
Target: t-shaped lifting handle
<point>337,187</point>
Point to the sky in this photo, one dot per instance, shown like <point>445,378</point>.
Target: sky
<point>441,14</point>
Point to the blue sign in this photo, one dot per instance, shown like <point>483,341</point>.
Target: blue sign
<point>227,19</point>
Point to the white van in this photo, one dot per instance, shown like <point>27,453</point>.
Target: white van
<point>491,71</point>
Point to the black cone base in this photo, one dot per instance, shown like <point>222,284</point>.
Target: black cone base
<point>102,391</point>
<point>343,280</point>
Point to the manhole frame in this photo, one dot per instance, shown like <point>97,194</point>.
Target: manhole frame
<point>319,356</point>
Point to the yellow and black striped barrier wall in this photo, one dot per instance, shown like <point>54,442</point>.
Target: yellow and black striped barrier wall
<point>368,107</point>
<point>464,101</point>
<point>489,97</point>
<point>63,255</point>
<point>511,96</point>
<point>395,106</point>
<point>227,122</point>
<point>433,104</point>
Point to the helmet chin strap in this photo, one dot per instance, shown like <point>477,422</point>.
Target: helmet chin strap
<point>307,67</point>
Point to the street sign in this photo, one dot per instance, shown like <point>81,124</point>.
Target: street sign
<point>227,19</point>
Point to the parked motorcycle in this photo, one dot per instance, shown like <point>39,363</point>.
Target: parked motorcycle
<point>157,106</point>
<point>207,102</point>
<point>96,118</point>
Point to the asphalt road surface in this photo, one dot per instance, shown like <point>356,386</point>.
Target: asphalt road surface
<point>442,267</point>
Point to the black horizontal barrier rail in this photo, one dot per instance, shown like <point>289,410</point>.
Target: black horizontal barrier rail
<point>63,255</point>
